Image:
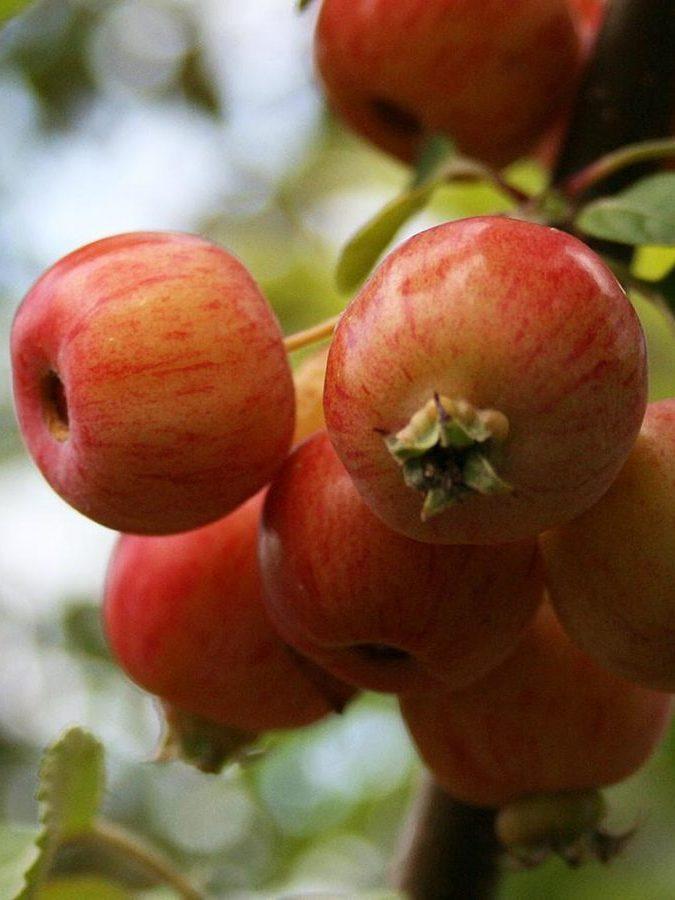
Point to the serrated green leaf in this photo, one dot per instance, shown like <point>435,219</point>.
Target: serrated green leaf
<point>18,853</point>
<point>9,8</point>
<point>72,781</point>
<point>363,249</point>
<point>81,887</point>
<point>642,214</point>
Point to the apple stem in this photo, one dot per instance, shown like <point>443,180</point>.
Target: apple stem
<point>312,335</point>
<point>448,850</point>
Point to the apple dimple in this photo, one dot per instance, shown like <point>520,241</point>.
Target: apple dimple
<point>381,653</point>
<point>55,406</point>
<point>396,117</point>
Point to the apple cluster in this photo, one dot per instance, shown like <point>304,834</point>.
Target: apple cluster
<point>472,464</point>
<point>465,501</point>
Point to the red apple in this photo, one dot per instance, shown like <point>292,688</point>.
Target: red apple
<point>373,607</point>
<point>487,383</point>
<point>151,382</point>
<point>186,621</point>
<point>489,75</point>
<point>611,572</point>
<point>547,720</point>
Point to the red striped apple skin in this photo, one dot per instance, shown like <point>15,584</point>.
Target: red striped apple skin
<point>171,364</point>
<point>506,315</point>
<point>490,75</point>
<point>611,572</point>
<point>547,720</point>
<point>185,618</point>
<point>375,608</point>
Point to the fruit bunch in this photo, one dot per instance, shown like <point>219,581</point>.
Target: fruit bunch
<point>465,501</point>
<point>484,394</point>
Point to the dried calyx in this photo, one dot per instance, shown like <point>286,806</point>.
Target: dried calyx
<point>566,824</point>
<point>445,452</point>
<point>206,745</point>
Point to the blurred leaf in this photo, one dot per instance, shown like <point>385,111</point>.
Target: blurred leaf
<point>666,288</point>
<point>83,630</point>
<point>18,853</point>
<point>10,8</point>
<point>302,4</point>
<point>81,888</point>
<point>72,780</point>
<point>362,251</point>
<point>364,248</point>
<point>642,214</point>
<point>653,263</point>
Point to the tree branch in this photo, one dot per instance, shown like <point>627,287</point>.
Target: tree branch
<point>627,93</point>
<point>448,851</point>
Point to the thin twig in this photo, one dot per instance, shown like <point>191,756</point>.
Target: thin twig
<point>311,335</point>
<point>149,860</point>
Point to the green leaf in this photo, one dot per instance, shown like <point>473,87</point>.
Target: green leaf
<point>363,249</point>
<point>9,8</point>
<point>642,214</point>
<point>302,4</point>
<point>81,887</point>
<point>83,630</point>
<point>72,780</point>
<point>18,853</point>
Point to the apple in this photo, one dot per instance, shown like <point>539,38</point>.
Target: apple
<point>151,382</point>
<point>373,607</point>
<point>547,720</point>
<point>489,75</point>
<point>487,383</point>
<point>185,619</point>
<point>611,572</point>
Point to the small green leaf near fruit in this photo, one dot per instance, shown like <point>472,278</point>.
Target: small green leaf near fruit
<point>643,214</point>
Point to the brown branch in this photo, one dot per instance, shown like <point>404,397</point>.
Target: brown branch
<point>627,93</point>
<point>448,851</point>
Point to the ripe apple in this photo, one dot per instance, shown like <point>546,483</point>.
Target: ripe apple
<point>151,382</point>
<point>611,572</point>
<point>547,720</point>
<point>185,619</point>
<point>487,383</point>
<point>489,75</point>
<point>373,607</point>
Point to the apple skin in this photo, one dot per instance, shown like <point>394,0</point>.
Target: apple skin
<point>489,75</point>
<point>185,619</point>
<point>590,15</point>
<point>547,720</point>
<point>172,367</point>
<point>611,572</point>
<point>506,315</point>
<point>377,609</point>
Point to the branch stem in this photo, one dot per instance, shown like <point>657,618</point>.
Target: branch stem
<point>152,862</point>
<point>312,335</point>
<point>449,851</point>
<point>607,165</point>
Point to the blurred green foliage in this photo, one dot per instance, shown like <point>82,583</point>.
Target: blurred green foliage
<point>320,809</point>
